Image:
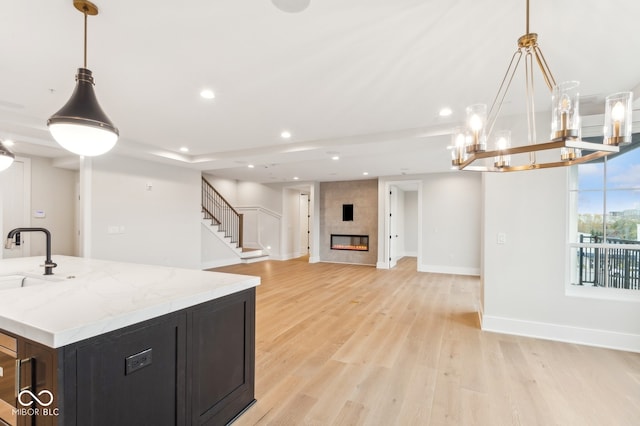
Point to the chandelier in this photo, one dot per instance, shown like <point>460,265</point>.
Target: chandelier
<point>469,144</point>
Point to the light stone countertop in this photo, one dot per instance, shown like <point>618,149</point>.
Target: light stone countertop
<point>102,296</point>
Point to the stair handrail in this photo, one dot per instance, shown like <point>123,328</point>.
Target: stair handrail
<point>222,212</point>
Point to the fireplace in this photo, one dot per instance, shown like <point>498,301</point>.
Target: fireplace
<point>350,242</point>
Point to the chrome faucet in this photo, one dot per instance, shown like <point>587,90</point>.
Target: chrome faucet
<point>13,238</point>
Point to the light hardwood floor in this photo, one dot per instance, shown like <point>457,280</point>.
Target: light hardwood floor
<point>354,345</point>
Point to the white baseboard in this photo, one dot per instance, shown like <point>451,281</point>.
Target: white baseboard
<point>562,333</point>
<point>219,262</point>
<point>348,263</point>
<point>455,270</point>
<point>286,256</point>
<point>314,259</point>
<point>382,265</point>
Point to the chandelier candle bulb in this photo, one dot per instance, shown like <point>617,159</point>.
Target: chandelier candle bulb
<point>503,141</point>
<point>458,142</point>
<point>617,113</point>
<point>617,119</point>
<point>565,105</point>
<point>565,122</point>
<point>476,119</point>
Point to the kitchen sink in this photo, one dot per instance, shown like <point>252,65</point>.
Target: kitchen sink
<point>25,280</point>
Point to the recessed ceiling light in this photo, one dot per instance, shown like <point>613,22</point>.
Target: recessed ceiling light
<point>285,134</point>
<point>365,173</point>
<point>445,112</point>
<point>251,166</point>
<point>296,178</point>
<point>207,94</point>
<point>335,158</point>
<point>184,149</point>
<point>8,142</point>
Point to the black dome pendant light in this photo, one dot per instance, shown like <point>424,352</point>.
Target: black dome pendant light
<point>6,157</point>
<point>81,126</point>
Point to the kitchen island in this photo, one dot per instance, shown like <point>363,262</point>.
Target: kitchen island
<point>120,343</point>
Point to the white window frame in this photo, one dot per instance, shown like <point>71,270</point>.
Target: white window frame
<point>588,291</point>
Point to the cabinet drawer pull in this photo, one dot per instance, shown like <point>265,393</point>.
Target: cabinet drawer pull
<point>19,364</point>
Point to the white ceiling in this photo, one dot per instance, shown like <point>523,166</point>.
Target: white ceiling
<point>361,78</point>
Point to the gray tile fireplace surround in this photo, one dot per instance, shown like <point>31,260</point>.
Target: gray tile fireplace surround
<point>363,195</point>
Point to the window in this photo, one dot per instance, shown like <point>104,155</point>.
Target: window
<point>605,240</point>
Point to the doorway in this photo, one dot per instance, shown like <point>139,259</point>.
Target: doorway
<point>299,222</point>
<point>403,224</point>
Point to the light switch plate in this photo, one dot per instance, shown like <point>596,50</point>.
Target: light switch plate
<point>501,238</point>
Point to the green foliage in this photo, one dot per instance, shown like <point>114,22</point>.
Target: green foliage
<point>624,228</point>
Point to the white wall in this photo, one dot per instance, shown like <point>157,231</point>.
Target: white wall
<point>451,223</point>
<point>524,279</point>
<point>411,223</point>
<point>256,194</point>
<point>214,252</point>
<point>226,187</point>
<point>53,190</point>
<point>130,223</point>
<point>261,230</point>
<point>290,236</point>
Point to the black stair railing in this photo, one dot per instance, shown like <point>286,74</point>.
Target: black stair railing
<point>221,213</point>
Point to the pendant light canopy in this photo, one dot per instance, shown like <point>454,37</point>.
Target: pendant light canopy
<point>81,126</point>
<point>6,157</point>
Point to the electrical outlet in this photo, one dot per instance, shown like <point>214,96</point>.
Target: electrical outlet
<point>136,362</point>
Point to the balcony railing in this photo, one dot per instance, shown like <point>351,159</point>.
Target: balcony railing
<point>608,265</point>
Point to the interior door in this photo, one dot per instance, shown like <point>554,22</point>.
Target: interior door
<point>393,226</point>
<point>304,224</point>
<point>16,198</point>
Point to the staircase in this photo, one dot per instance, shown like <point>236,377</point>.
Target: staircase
<point>226,223</point>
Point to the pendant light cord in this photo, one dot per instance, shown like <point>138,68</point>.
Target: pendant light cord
<point>85,35</point>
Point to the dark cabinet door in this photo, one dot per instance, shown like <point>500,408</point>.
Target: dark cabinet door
<point>130,377</point>
<point>221,358</point>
